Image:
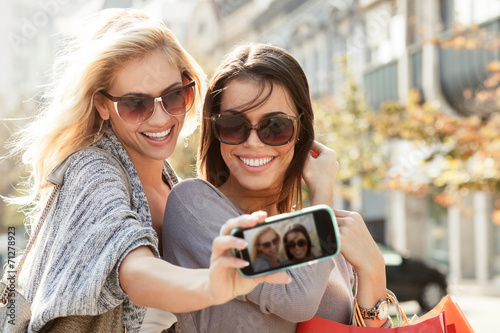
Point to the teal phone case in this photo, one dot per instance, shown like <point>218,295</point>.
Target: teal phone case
<point>288,216</point>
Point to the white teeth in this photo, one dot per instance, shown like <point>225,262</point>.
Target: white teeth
<point>256,162</point>
<point>158,134</point>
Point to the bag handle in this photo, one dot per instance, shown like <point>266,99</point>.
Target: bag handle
<point>56,177</point>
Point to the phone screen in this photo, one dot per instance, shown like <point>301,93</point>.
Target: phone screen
<point>289,240</point>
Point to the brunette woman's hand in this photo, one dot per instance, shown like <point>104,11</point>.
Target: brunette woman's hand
<point>320,172</point>
<point>357,244</point>
<point>225,281</point>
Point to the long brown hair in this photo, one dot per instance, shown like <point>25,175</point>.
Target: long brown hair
<point>263,64</point>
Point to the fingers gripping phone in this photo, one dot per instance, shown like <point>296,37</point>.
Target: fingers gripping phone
<point>289,240</point>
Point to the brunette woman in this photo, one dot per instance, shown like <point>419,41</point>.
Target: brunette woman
<point>257,142</point>
<point>297,243</point>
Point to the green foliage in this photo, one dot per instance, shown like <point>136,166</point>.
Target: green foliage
<point>467,148</point>
<point>462,154</point>
<point>348,128</point>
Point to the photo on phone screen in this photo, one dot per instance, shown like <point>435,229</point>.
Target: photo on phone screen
<point>290,240</point>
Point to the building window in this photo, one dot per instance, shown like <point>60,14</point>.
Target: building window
<point>438,232</point>
<point>385,36</point>
<point>469,12</point>
<point>415,28</point>
<point>496,251</point>
<point>446,9</point>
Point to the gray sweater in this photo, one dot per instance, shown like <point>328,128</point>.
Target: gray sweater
<point>193,217</point>
<point>88,232</point>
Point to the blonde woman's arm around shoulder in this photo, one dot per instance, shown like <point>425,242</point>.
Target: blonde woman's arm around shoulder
<point>153,282</point>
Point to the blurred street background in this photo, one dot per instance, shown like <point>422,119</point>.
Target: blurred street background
<point>406,92</point>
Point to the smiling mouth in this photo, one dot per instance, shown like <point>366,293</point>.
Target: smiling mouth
<point>256,162</point>
<point>158,135</point>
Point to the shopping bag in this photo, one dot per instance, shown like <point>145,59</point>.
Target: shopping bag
<point>455,319</point>
<point>436,324</point>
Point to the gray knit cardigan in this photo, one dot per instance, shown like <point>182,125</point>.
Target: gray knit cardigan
<point>90,229</point>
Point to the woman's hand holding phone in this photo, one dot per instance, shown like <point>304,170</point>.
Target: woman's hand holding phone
<point>223,265</point>
<point>320,172</point>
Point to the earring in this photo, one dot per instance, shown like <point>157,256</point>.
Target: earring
<point>98,134</point>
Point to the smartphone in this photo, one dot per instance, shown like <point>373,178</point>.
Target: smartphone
<point>289,240</point>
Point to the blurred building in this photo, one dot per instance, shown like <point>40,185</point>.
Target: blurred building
<point>387,42</point>
<point>25,29</point>
<point>31,30</point>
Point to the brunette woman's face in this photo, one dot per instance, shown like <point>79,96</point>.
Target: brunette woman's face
<point>151,76</point>
<point>269,244</point>
<point>292,241</point>
<point>254,165</point>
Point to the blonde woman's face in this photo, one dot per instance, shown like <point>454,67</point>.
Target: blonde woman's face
<point>151,76</point>
<point>269,244</point>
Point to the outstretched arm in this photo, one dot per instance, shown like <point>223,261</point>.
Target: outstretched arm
<point>150,281</point>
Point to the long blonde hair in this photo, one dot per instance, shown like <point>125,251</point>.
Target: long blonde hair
<point>87,63</point>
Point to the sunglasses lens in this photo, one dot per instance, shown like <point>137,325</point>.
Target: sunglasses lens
<point>179,101</point>
<point>139,110</point>
<point>267,245</point>
<point>231,130</point>
<point>276,131</point>
<point>300,243</point>
<point>136,110</point>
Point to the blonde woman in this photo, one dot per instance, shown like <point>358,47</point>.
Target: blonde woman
<point>265,250</point>
<point>124,85</point>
